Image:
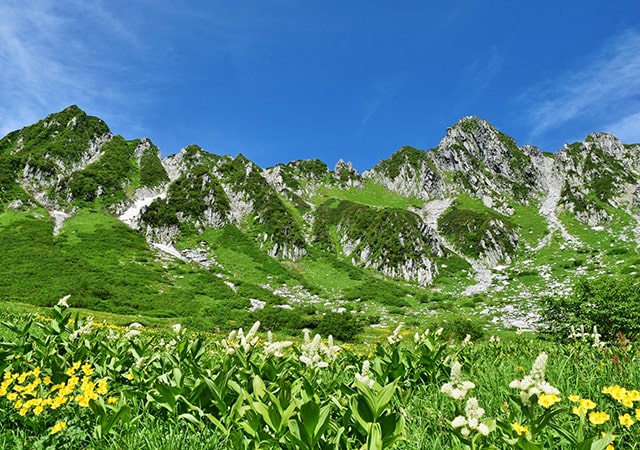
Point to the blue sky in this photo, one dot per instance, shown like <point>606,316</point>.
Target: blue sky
<point>279,80</point>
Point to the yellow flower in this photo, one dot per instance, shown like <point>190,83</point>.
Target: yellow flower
<point>634,395</point>
<point>548,400</point>
<point>129,376</point>
<point>598,417</point>
<point>58,427</point>
<point>58,402</point>
<point>111,400</point>
<point>626,420</point>
<point>38,410</point>
<point>520,429</point>
<point>638,414</point>
<point>620,394</point>
<point>102,386</point>
<point>587,404</point>
<point>83,400</point>
<point>87,369</point>
<point>36,371</point>
<point>574,398</point>
<point>87,386</point>
<point>46,380</point>
<point>72,382</point>
<point>11,396</point>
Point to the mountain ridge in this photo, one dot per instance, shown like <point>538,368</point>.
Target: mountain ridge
<point>448,215</point>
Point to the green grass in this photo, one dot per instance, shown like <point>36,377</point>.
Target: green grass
<point>372,194</point>
<point>532,227</point>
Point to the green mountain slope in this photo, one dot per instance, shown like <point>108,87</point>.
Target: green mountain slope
<point>477,223</point>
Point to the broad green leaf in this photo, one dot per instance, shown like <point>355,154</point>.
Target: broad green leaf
<point>374,439</point>
<point>383,398</point>
<point>258,387</point>
<point>525,444</point>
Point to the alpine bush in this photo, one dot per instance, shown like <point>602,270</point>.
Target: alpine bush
<point>610,303</point>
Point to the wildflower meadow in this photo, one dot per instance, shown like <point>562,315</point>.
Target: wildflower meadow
<point>70,382</point>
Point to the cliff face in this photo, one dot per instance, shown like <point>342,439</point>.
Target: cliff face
<point>473,199</point>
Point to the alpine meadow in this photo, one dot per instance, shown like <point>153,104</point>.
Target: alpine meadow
<point>476,295</point>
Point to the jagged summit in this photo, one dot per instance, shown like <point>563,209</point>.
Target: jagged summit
<point>475,201</point>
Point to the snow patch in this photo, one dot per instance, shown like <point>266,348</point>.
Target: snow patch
<point>142,198</point>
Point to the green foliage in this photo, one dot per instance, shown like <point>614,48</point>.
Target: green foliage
<point>378,291</point>
<point>462,327</point>
<point>311,168</point>
<point>371,194</point>
<point>274,318</point>
<point>469,229</point>
<point>388,236</point>
<point>65,136</point>
<point>612,303</point>
<point>152,172</point>
<point>342,326</point>
<point>153,388</point>
<point>106,266</point>
<point>106,179</point>
<point>406,156</point>
<point>272,216</point>
<point>190,195</point>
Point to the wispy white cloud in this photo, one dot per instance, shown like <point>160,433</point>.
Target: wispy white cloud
<point>478,75</point>
<point>53,54</point>
<point>606,86</point>
<point>627,129</point>
<point>373,104</point>
<point>380,94</point>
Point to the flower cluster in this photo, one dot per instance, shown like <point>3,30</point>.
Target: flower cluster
<point>133,330</point>
<point>580,335</point>
<point>395,337</point>
<point>457,388</point>
<point>84,329</point>
<point>583,405</point>
<point>535,384</point>
<point>237,339</point>
<point>471,421</point>
<point>424,337</point>
<point>363,377</point>
<point>30,392</point>
<point>622,395</point>
<point>598,417</point>
<point>275,348</point>
<point>62,303</point>
<point>315,353</point>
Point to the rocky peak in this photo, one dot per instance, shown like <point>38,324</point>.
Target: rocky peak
<point>487,162</point>
<point>409,172</point>
<point>346,175</point>
<point>176,164</point>
<point>473,138</point>
<point>143,146</point>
